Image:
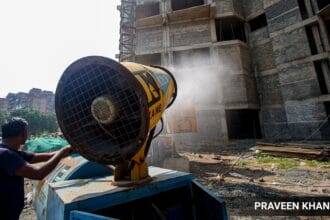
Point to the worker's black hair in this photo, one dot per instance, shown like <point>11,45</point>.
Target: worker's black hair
<point>13,127</point>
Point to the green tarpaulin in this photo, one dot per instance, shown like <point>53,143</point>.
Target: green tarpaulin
<point>45,144</point>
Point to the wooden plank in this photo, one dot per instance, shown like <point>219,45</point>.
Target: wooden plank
<point>299,145</point>
<point>294,150</point>
<point>290,150</point>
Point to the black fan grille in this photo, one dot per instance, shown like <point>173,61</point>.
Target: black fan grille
<point>80,85</point>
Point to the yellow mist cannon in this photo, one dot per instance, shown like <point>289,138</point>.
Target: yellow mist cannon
<point>109,111</point>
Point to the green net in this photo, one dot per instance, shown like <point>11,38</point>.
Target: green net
<point>45,144</point>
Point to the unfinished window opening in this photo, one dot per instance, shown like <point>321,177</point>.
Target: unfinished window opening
<point>327,27</point>
<point>149,59</point>
<point>147,10</point>
<point>327,109</point>
<point>195,57</point>
<point>311,40</point>
<point>243,124</point>
<point>320,77</point>
<point>182,4</point>
<point>230,29</point>
<point>258,22</point>
<point>322,4</point>
<point>303,9</point>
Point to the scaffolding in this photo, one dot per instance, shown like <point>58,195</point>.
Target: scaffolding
<point>127,30</point>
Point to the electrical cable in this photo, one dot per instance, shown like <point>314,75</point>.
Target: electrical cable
<point>161,129</point>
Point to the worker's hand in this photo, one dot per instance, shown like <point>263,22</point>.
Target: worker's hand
<point>74,149</point>
<point>65,151</point>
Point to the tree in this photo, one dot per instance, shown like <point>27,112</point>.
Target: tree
<point>38,122</point>
<point>3,117</point>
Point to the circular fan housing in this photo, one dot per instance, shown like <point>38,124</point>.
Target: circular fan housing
<point>102,110</point>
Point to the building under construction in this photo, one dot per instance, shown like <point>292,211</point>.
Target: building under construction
<point>271,59</point>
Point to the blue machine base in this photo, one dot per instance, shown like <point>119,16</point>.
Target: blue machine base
<point>170,195</point>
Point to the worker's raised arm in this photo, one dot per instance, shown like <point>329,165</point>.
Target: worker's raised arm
<point>42,157</point>
<point>37,173</point>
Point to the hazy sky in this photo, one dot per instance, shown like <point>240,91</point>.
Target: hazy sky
<point>40,38</point>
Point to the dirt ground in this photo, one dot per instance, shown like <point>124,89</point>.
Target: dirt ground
<point>253,180</point>
<point>236,175</point>
<point>28,211</point>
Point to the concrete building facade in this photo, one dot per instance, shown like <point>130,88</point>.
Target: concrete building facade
<point>269,61</point>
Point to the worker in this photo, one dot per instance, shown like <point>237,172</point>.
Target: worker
<point>16,164</point>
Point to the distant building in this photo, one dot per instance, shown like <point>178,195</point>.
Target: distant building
<point>18,100</point>
<point>36,99</point>
<point>42,101</point>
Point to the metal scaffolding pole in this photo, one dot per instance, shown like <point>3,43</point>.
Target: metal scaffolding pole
<point>127,30</point>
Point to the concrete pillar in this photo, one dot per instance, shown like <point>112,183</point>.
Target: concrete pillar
<point>213,31</point>
<point>317,38</point>
<point>163,60</point>
<point>166,38</point>
<point>168,5</point>
<point>315,6</point>
<point>309,8</point>
<point>321,49</point>
<point>165,6</point>
<point>170,58</point>
<point>166,29</point>
<point>215,59</point>
<point>324,34</point>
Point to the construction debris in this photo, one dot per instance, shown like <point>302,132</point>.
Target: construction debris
<point>239,175</point>
<point>305,151</point>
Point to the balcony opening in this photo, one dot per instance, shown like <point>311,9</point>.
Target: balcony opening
<point>194,57</point>
<point>243,124</point>
<point>149,59</point>
<point>258,22</point>
<point>230,29</point>
<point>147,10</point>
<point>303,9</point>
<point>182,4</point>
<point>322,4</point>
<point>320,76</point>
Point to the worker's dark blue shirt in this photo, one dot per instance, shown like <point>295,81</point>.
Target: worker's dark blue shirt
<point>11,186</point>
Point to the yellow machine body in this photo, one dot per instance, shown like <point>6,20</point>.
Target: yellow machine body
<point>109,110</point>
<point>160,89</point>
<point>150,78</point>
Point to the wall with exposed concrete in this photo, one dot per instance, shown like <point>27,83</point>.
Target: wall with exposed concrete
<point>229,7</point>
<point>252,8</point>
<point>149,40</point>
<point>190,33</point>
<point>287,81</point>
